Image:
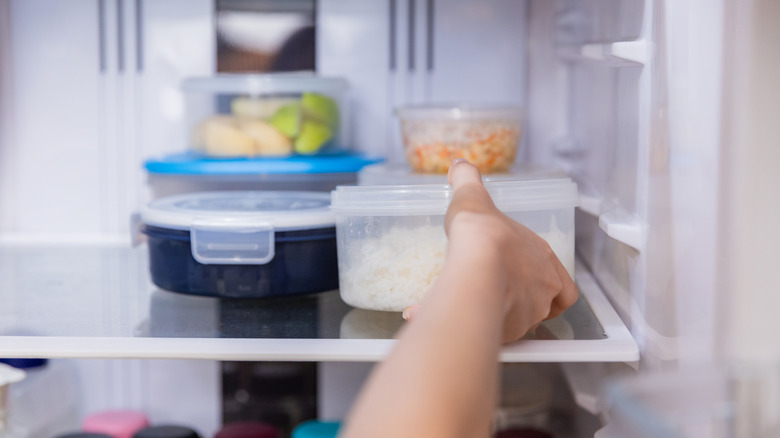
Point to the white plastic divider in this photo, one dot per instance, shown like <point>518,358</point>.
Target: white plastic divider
<point>623,227</point>
<point>635,51</point>
<point>617,223</point>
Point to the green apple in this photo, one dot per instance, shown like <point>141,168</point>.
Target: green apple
<point>287,120</point>
<point>321,108</point>
<point>312,137</point>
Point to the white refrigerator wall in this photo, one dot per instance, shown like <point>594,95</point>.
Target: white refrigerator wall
<point>53,111</point>
<point>90,89</point>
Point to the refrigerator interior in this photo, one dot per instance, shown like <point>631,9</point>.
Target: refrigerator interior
<point>625,96</point>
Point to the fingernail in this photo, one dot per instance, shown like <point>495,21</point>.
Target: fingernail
<point>457,161</point>
<point>410,311</point>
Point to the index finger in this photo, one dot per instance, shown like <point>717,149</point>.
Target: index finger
<point>468,192</point>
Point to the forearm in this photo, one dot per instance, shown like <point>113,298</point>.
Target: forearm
<point>441,379</point>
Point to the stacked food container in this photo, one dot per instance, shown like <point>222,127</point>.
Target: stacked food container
<point>243,211</point>
<point>390,229</point>
<point>281,131</point>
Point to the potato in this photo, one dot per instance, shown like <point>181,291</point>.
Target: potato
<point>268,140</point>
<point>220,136</point>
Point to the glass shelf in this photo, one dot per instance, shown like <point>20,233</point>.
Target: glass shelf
<point>99,302</point>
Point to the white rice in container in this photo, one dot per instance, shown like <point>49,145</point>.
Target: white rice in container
<point>394,270</point>
<point>398,269</point>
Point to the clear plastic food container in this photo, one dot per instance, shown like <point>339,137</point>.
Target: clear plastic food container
<point>434,135</point>
<point>391,240</point>
<point>242,244</point>
<point>278,114</point>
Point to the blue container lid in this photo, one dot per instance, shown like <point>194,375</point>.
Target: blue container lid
<point>24,363</point>
<point>317,429</point>
<point>190,163</point>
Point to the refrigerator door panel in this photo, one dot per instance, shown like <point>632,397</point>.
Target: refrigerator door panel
<point>639,131</point>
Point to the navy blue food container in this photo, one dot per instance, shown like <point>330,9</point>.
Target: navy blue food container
<point>242,244</point>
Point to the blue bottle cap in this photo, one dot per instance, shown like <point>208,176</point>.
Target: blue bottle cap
<point>317,429</point>
<point>24,364</point>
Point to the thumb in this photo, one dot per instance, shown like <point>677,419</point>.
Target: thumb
<point>468,192</point>
<point>462,173</point>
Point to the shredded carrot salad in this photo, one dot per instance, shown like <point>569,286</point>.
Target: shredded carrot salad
<point>490,145</point>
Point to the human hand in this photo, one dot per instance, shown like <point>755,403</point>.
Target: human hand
<point>498,281</point>
<point>518,264</point>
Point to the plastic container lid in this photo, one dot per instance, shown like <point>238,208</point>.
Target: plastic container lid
<point>238,227</point>
<point>460,111</point>
<point>283,211</point>
<point>433,199</point>
<point>194,164</point>
<point>402,174</point>
<point>270,83</point>
<point>166,432</point>
<point>317,429</point>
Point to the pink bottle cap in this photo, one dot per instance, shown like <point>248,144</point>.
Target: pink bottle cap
<point>118,424</point>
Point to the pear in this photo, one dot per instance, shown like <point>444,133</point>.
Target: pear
<point>312,137</point>
<point>287,120</point>
<point>321,108</point>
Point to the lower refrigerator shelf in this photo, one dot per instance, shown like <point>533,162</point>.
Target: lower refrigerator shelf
<point>98,302</point>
